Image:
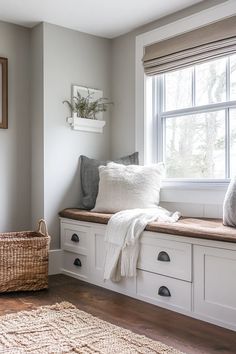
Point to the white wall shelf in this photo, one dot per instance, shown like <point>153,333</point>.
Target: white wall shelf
<point>87,125</point>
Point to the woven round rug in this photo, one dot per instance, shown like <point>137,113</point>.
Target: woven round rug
<point>62,328</point>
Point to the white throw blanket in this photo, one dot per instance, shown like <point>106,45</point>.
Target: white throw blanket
<point>122,237</point>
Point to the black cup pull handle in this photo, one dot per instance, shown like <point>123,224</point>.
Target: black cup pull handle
<point>164,291</point>
<point>163,257</point>
<point>77,262</point>
<point>75,238</point>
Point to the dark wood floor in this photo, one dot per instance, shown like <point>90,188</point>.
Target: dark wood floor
<point>181,332</point>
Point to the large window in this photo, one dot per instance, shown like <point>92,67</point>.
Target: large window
<point>195,109</point>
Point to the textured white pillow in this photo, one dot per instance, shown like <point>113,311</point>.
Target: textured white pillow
<point>128,187</point>
<point>229,206</point>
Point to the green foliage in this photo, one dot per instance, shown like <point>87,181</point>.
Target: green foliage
<point>70,105</point>
<point>87,107</point>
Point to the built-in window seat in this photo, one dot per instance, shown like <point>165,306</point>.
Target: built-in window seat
<point>188,266</point>
<point>211,229</point>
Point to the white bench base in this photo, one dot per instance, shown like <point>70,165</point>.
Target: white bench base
<point>200,276</point>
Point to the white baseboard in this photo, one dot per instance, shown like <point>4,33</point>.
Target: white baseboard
<point>55,261</point>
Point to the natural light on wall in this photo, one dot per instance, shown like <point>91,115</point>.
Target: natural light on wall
<point>193,114</point>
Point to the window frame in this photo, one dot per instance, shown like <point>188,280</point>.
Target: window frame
<point>160,115</point>
<point>195,192</point>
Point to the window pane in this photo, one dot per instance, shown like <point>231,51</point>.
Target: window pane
<point>211,82</point>
<point>195,146</point>
<point>178,89</point>
<point>232,142</point>
<point>233,77</point>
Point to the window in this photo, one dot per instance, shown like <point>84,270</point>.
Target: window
<point>195,113</point>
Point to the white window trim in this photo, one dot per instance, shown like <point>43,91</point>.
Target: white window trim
<point>143,128</point>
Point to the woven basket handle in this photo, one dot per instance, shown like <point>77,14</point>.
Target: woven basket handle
<point>43,227</point>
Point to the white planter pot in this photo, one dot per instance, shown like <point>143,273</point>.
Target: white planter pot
<point>87,125</point>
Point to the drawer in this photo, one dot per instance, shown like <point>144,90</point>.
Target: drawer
<point>75,238</point>
<point>166,257</point>
<point>75,263</point>
<point>164,291</point>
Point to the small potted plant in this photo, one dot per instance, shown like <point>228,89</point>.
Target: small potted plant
<point>84,108</point>
<point>87,107</point>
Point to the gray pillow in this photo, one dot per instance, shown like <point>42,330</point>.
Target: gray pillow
<point>229,207</point>
<point>90,177</point>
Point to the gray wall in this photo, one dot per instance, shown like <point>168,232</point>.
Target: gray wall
<point>123,80</point>
<point>69,57</point>
<point>39,152</point>
<point>15,141</point>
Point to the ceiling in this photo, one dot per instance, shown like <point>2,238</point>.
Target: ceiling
<point>105,18</point>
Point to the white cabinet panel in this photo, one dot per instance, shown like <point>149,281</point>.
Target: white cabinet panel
<point>98,258</point>
<point>215,283</point>
<point>165,257</point>
<point>125,286</point>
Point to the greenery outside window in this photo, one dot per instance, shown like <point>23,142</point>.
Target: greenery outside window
<point>194,110</point>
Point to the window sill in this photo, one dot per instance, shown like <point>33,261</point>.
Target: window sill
<point>189,184</point>
<point>194,192</point>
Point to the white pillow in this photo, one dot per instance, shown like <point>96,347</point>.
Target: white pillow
<point>229,206</point>
<point>128,187</point>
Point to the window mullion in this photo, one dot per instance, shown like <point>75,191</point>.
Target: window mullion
<point>163,93</point>
<point>160,109</point>
<point>227,144</point>
<point>163,122</point>
<point>200,109</point>
<point>227,122</point>
<point>154,133</point>
<point>193,86</point>
<point>228,79</point>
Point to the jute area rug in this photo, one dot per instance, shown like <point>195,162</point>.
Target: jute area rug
<point>62,328</point>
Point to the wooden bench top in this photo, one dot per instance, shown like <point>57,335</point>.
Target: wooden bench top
<point>211,229</point>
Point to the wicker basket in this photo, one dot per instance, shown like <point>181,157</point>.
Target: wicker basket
<point>24,259</point>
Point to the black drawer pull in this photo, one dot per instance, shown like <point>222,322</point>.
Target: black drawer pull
<point>164,291</point>
<point>77,262</point>
<point>75,238</point>
<point>163,257</point>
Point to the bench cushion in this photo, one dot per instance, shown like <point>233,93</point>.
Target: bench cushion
<point>211,229</point>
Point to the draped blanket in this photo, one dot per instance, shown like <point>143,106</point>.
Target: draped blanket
<point>122,239</point>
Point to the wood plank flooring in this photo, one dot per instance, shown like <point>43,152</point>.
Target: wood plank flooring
<point>181,332</point>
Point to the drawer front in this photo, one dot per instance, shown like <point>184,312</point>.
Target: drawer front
<point>74,238</point>
<point>76,263</point>
<point>164,291</point>
<point>166,257</point>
